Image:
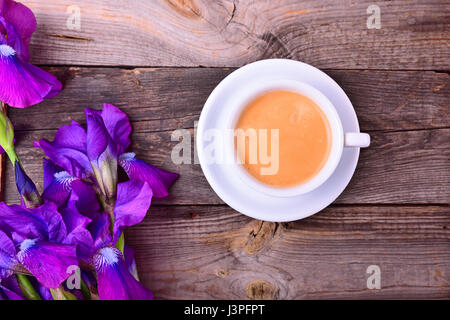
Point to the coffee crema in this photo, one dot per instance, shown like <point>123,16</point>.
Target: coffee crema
<point>304,138</point>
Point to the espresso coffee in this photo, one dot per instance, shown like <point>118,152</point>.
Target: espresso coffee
<point>302,144</point>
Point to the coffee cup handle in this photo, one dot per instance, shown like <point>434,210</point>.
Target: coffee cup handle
<point>356,139</point>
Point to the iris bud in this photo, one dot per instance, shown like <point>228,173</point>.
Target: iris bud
<point>26,187</point>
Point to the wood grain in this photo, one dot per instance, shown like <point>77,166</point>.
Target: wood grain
<point>395,213</point>
<point>402,167</point>
<point>215,253</point>
<point>325,33</point>
<point>158,99</point>
<point>406,112</point>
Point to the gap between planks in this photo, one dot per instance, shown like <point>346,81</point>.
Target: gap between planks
<point>132,67</point>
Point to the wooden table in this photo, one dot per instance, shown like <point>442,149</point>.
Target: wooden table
<point>159,60</point>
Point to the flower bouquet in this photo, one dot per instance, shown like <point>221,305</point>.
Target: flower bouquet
<point>67,242</point>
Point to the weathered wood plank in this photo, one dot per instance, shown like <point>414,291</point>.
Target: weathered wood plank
<point>399,167</point>
<point>172,98</point>
<point>216,253</point>
<point>325,33</point>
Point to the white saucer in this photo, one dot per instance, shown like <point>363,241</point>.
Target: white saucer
<point>247,200</point>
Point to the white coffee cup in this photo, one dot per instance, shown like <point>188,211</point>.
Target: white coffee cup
<point>339,138</point>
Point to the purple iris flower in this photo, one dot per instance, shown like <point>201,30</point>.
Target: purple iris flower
<point>95,234</point>
<point>96,152</point>
<point>102,151</point>
<point>84,213</point>
<point>114,280</point>
<point>33,240</point>
<point>22,84</point>
<point>115,271</point>
<point>68,150</point>
<point>57,183</point>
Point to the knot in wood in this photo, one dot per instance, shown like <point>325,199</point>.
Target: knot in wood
<point>261,290</point>
<point>260,236</point>
<point>186,8</point>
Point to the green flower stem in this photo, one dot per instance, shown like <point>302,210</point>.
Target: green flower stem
<point>120,244</point>
<point>7,133</point>
<point>11,152</point>
<point>27,288</point>
<point>61,294</point>
<point>85,290</point>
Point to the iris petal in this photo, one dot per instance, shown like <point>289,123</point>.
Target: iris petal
<point>7,255</point>
<point>59,189</point>
<point>19,219</point>
<point>72,136</point>
<point>133,201</point>
<point>100,230</point>
<point>74,161</point>
<point>55,84</point>
<point>47,261</point>
<point>72,218</point>
<point>78,234</point>
<point>56,228</point>
<point>115,282</point>
<point>130,261</point>
<point>97,135</point>
<point>12,39</point>
<point>159,180</point>
<point>23,84</point>
<point>22,19</point>
<point>82,239</point>
<point>10,290</point>
<point>49,169</point>
<point>68,150</point>
<point>43,222</point>
<point>85,199</point>
<point>45,293</point>
<point>117,125</point>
